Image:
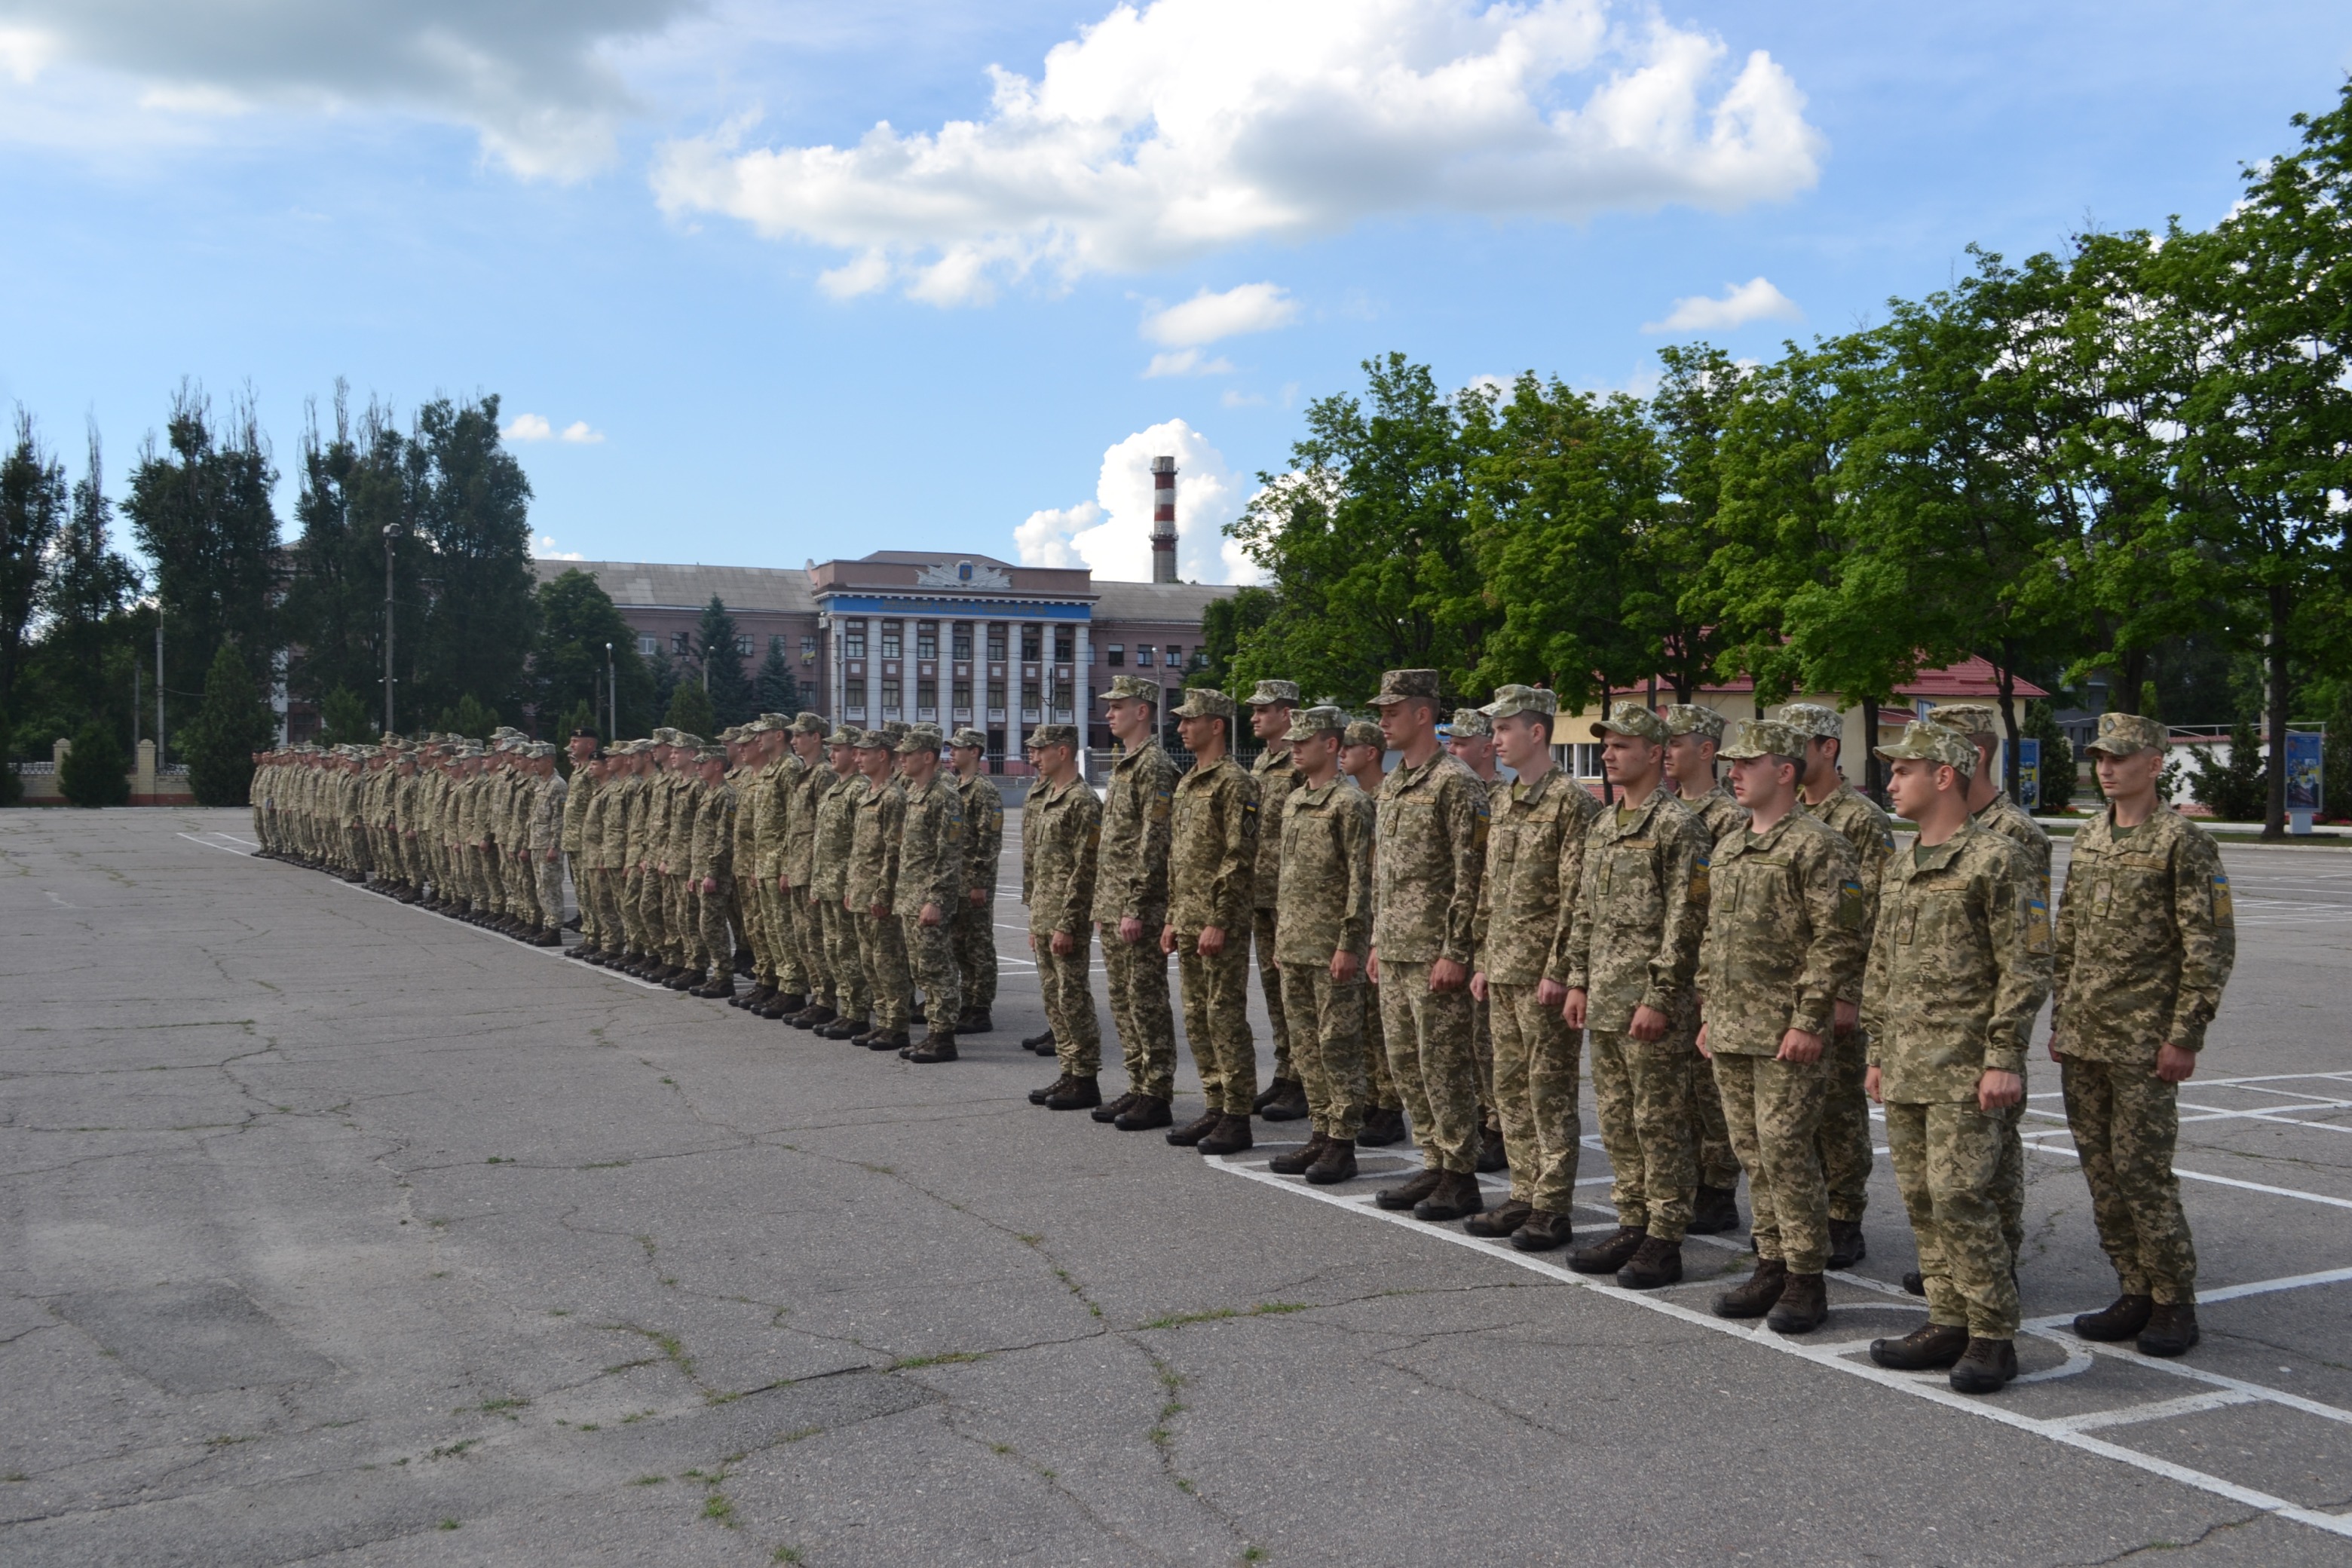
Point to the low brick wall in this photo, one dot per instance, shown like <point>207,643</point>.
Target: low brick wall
<point>148,786</point>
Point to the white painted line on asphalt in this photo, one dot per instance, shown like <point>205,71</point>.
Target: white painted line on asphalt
<point>2160,1410</point>
<point>1933,1388</point>
<point>2218,1181</point>
<point>2270,1287</point>
<point>193,838</point>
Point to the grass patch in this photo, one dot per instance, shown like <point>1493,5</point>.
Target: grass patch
<point>452,1450</point>
<point>448,1524</point>
<point>649,1481</point>
<point>1217,1314</point>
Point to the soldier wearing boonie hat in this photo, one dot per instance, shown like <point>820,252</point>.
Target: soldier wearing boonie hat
<point>1693,733</point>
<point>1211,876</point>
<point>1959,967</point>
<point>1270,706</point>
<point>1846,1134</point>
<point>1629,960</point>
<point>974,934</point>
<point>1429,854</point>
<point>1131,906</point>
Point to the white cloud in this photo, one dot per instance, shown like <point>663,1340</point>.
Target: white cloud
<point>579,435</point>
<point>1754,301</point>
<point>542,547</point>
<point>1205,317</point>
<point>1236,397</point>
<point>533,80</point>
<point>539,427</point>
<point>1111,534</point>
<point>1187,362</point>
<point>1164,133</point>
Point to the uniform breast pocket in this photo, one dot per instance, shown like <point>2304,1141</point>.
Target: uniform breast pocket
<point>1907,924</point>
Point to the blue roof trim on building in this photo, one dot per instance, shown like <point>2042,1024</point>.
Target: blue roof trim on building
<point>995,609</point>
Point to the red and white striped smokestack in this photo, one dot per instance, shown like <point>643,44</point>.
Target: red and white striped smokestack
<point>1163,520</point>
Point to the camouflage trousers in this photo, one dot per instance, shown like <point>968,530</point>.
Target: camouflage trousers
<point>765,918</point>
<point>882,953</point>
<point>548,871</point>
<point>680,923</point>
<point>1774,1111</point>
<point>2009,1180</point>
<point>1945,1155</point>
<point>603,891</point>
<point>851,997</point>
<point>1379,1081</point>
<point>1482,1057</point>
<point>2125,1122</point>
<point>1269,984</point>
<point>1070,993</point>
<point>1844,1138</point>
<point>1429,1052</point>
<point>1217,1023</point>
<point>975,955</point>
<point>583,893</point>
<point>719,939</point>
<point>630,892</point>
<point>1536,1093</point>
<point>523,888</point>
<point>1326,1046</point>
<point>1137,973</point>
<point>1718,1163</point>
<point>646,886</point>
<point>930,963</point>
<point>1640,1091</point>
<point>820,971</point>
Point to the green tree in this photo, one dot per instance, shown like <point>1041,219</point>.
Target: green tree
<point>345,719</point>
<point>577,624</point>
<point>582,717</point>
<point>89,588</point>
<point>1665,605</point>
<point>200,509</point>
<point>689,709</point>
<point>2057,757</point>
<point>355,485</point>
<point>2235,790</point>
<point>472,509</point>
<point>1226,624</point>
<point>231,724</point>
<point>96,773</point>
<point>33,511</point>
<point>468,717</point>
<point>778,691</point>
<point>717,649</point>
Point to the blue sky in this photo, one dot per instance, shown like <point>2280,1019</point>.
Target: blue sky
<point>776,332</point>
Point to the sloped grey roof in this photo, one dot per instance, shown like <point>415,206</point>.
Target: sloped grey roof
<point>1184,602</point>
<point>643,583</point>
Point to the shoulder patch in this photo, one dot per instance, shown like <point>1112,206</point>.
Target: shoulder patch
<point>2037,925</point>
<point>1848,904</point>
<point>1887,840</point>
<point>1698,879</point>
<point>2222,912</point>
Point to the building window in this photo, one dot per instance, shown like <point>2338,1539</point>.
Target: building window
<point>808,649</point>
<point>1032,639</point>
<point>1175,657</point>
<point>1064,644</point>
<point>961,640</point>
<point>647,645</point>
<point>743,645</point>
<point>890,639</point>
<point>1142,655</point>
<point>890,691</point>
<point>853,641</point>
<point>996,644</point>
<point>1200,658</point>
<point>677,644</point>
<point>926,640</point>
<point>1115,655</point>
<point>962,693</point>
<point>1030,706</point>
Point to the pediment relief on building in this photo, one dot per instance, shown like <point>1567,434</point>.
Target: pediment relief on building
<point>962,575</point>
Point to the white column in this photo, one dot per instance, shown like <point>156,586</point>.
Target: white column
<point>1081,704</point>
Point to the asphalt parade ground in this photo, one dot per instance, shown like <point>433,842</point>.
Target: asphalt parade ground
<point>334,1231</point>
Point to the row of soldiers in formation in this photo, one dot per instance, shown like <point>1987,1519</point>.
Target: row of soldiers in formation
<point>1752,964</point>
<point>840,870</point>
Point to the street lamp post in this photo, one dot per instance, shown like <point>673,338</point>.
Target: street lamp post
<point>390,535</point>
<point>612,701</point>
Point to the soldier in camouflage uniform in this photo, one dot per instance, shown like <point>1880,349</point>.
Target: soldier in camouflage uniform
<point>1061,833</point>
<point>2145,941</point>
<point>800,917</point>
<point>1959,967</point>
<point>872,893</point>
<point>1324,929</point>
<point>1470,740</point>
<point>759,855</point>
<point>1131,905</point>
<point>1632,957</point>
<point>1270,706</point>
<point>1211,866</point>
<point>579,792</point>
<point>1429,855</point>
<point>710,875</point>
<point>1783,941</point>
<point>838,790</point>
<point>1845,1119</point>
<point>1535,859</point>
<point>930,886</point>
<point>591,778</point>
<point>1693,733</point>
<point>1363,755</point>
<point>975,919</point>
<point>544,844</point>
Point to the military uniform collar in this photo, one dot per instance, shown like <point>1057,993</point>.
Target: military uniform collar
<point>1535,791</point>
<point>1270,759</point>
<point>1939,856</point>
<point>1644,812</point>
<point>1145,750</point>
<point>1747,838</point>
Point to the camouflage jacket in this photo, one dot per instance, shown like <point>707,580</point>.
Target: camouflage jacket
<point>626,823</point>
<point>1534,866</point>
<point>1277,777</point>
<point>686,804</point>
<point>1872,834</point>
<point>768,802</point>
<point>984,837</point>
<point>592,820</point>
<point>1633,936</point>
<point>712,854</point>
<point>2006,817</point>
<point>549,819</point>
<point>1959,967</point>
<point>579,791</point>
<point>930,847</point>
<point>833,832</point>
<point>2146,939</point>
<point>875,810</point>
<point>1213,848</point>
<point>1784,934</point>
<point>650,830</point>
<point>1139,811</point>
<point>803,796</point>
<point>1717,812</point>
<point>1326,902</point>
<point>1061,833</point>
<point>1429,857</point>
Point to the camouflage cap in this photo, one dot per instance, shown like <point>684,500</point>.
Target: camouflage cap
<point>710,755</point>
<point>1310,722</point>
<point>1631,717</point>
<point>1693,718</point>
<point>1269,691</point>
<point>921,737</point>
<point>1205,702</point>
<point>1363,732</point>
<point>967,736</point>
<point>1133,686</point>
<point>1966,718</point>
<point>1745,738</point>
<point>1928,742</point>
<point>1470,721</point>
<point>2121,734</point>
<point>842,735</point>
<point>732,734</point>
<point>872,739</point>
<point>1405,684</point>
<point>1511,700</point>
<point>685,742</point>
<point>663,735</point>
<point>894,728</point>
<point>1818,722</point>
<point>1054,735</point>
<point>803,723</point>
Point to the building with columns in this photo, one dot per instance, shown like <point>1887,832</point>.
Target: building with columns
<point>952,640</point>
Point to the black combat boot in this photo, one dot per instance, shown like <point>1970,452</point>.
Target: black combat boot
<point>1715,1211</point>
<point>2121,1319</point>
<point>889,1040</point>
<point>1927,1348</point>
<point>938,1046</point>
<point>1040,1096</point>
<point>975,1022</point>
<point>1457,1197</point>
<point>815,1016</point>
<point>1803,1306</point>
<point>1116,1109</point>
<point>839,1029</point>
<point>1542,1231</point>
<point>1410,1191</point>
<point>1295,1163</point>
<point>1193,1131</point>
<point>1654,1263</point>
<point>1284,1100</point>
<point>1915,1282</point>
<point>1755,1295</point>
<point>1337,1164</point>
<point>2172,1328</point>
<point>1230,1136</point>
<point>687,980</point>
<point>720,988</point>
<point>1846,1246</point>
<point>1075,1094</point>
<point>1499,1221</point>
<point>1041,1044</point>
<point>1608,1254</point>
<point>1149,1110</point>
<point>1384,1126</point>
<point>1986,1366</point>
<point>1492,1155</point>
